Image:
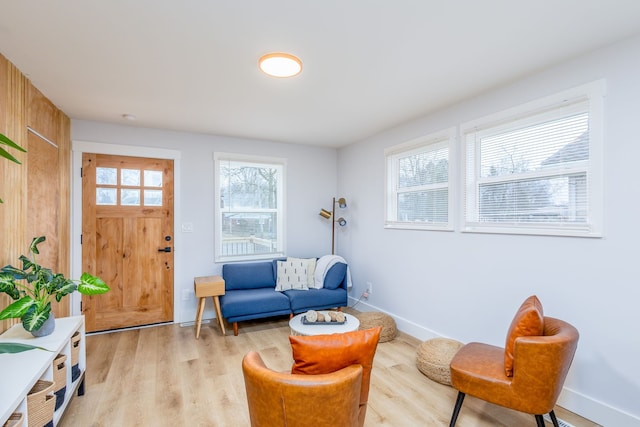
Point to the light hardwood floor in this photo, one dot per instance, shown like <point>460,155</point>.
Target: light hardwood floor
<point>163,376</point>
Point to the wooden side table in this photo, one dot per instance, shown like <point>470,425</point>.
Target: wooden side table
<point>208,286</point>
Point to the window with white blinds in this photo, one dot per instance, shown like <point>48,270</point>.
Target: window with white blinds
<point>537,169</point>
<point>418,192</point>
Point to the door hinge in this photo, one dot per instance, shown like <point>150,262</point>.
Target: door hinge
<point>81,239</point>
<point>80,172</point>
<point>80,306</point>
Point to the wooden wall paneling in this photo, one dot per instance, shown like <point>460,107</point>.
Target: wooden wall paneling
<point>64,212</point>
<point>47,163</point>
<point>22,106</point>
<point>13,118</point>
<point>64,169</point>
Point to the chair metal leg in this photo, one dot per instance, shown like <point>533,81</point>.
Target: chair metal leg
<point>554,420</point>
<point>539,420</point>
<point>456,409</point>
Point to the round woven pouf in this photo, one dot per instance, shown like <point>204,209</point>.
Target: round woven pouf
<point>434,357</point>
<point>371,319</point>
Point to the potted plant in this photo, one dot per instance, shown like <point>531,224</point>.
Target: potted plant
<point>34,287</point>
<point>4,140</point>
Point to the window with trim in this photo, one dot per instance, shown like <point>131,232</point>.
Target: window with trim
<point>249,207</point>
<point>536,169</point>
<point>128,187</point>
<point>418,190</point>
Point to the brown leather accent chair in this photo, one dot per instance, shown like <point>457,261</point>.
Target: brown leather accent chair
<point>321,354</point>
<point>298,400</point>
<point>538,368</point>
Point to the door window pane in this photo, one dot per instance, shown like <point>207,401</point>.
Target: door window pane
<point>153,197</point>
<point>130,177</point>
<point>130,197</point>
<point>106,196</point>
<point>107,176</point>
<point>152,178</point>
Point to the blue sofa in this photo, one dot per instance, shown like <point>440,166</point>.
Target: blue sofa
<point>250,292</point>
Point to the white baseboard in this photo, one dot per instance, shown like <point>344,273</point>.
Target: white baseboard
<point>585,406</point>
<point>596,411</point>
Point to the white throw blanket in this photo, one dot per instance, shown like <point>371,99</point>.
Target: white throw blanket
<point>322,267</point>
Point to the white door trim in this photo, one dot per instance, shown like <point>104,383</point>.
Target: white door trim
<point>80,147</point>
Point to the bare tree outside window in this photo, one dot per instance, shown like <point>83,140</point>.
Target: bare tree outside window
<point>249,208</point>
<point>417,193</point>
<point>512,161</point>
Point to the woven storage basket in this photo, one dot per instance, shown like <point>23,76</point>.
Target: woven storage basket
<point>371,319</point>
<point>59,372</point>
<point>15,420</point>
<point>41,404</point>
<point>75,348</point>
<point>75,356</point>
<point>434,357</point>
<point>60,378</point>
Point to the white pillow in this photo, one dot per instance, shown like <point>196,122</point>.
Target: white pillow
<point>291,275</point>
<point>310,264</point>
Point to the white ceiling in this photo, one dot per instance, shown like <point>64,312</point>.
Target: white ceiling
<point>191,65</point>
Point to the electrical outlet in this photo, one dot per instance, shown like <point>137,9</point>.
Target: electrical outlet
<point>186,294</point>
<point>369,288</point>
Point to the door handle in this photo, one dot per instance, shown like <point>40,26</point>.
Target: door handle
<point>165,249</point>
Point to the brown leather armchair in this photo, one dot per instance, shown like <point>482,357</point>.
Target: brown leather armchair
<point>298,400</point>
<point>538,368</point>
<point>321,354</point>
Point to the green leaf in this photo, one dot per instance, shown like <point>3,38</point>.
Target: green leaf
<point>34,318</point>
<point>43,279</point>
<point>14,347</point>
<point>4,153</point>
<point>92,285</point>
<point>17,309</point>
<point>33,248</point>
<point>63,287</point>
<point>27,263</point>
<point>8,285</point>
<point>6,141</point>
<point>16,273</point>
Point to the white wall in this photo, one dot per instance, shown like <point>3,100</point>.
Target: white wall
<point>311,183</point>
<point>461,285</point>
<point>468,286</point>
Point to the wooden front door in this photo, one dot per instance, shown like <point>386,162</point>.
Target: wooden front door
<point>127,239</point>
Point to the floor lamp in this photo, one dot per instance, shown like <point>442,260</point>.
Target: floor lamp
<point>342,203</point>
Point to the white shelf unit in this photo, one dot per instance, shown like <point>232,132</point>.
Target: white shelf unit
<point>20,371</point>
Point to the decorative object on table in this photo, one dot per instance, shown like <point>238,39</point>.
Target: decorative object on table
<point>313,317</point>
<point>4,140</point>
<point>342,203</point>
<point>371,319</point>
<point>434,356</point>
<point>33,287</point>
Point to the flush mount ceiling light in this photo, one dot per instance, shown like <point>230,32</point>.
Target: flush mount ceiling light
<point>280,64</point>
